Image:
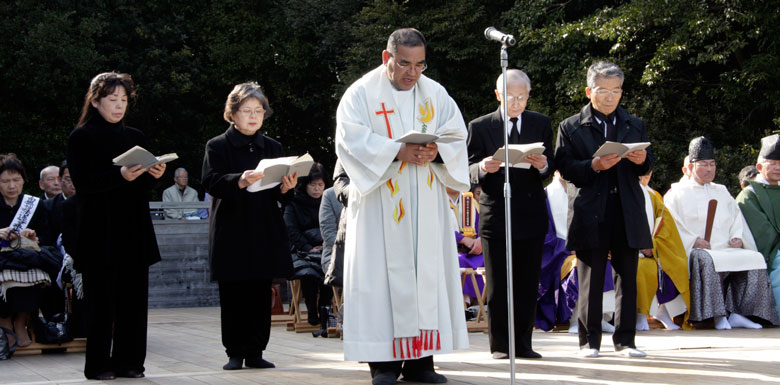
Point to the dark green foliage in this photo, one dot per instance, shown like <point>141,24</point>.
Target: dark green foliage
<point>692,67</point>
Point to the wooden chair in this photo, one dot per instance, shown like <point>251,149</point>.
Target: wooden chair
<point>480,323</point>
<point>298,324</point>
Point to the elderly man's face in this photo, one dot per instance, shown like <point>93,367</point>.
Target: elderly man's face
<point>606,95</point>
<point>181,179</point>
<point>703,171</point>
<point>770,170</point>
<point>67,184</point>
<point>405,67</point>
<point>517,97</point>
<point>50,181</point>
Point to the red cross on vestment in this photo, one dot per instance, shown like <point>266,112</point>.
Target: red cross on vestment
<point>387,121</point>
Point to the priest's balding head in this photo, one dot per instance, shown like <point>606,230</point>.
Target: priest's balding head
<point>404,58</point>
<point>701,154</point>
<point>518,89</point>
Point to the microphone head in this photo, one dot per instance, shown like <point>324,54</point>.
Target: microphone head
<point>510,40</point>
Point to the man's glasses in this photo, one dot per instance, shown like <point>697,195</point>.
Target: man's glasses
<point>516,99</point>
<point>420,67</point>
<point>605,92</point>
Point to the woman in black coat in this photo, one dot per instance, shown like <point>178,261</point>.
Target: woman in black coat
<point>248,238</point>
<point>116,244</point>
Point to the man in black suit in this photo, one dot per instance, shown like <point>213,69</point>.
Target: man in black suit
<point>529,211</point>
<point>609,215</point>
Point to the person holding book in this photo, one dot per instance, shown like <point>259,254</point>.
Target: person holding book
<point>529,211</point>
<point>116,243</point>
<point>248,237</point>
<point>608,213</point>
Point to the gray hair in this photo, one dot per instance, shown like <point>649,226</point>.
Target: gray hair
<point>407,37</point>
<point>602,69</point>
<point>241,93</point>
<point>180,169</point>
<point>49,168</point>
<point>511,76</point>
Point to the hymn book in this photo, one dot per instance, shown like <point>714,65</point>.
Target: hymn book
<point>274,169</point>
<point>518,153</point>
<point>621,149</point>
<point>139,155</point>
<point>415,137</point>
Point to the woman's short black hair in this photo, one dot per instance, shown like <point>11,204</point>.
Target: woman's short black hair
<point>9,162</point>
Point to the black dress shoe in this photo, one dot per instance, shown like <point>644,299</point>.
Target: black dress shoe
<point>234,363</point>
<point>528,354</point>
<point>384,378</point>
<point>426,376</point>
<point>258,363</point>
<point>131,374</point>
<point>105,376</point>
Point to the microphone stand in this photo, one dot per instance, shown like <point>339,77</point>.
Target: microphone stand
<point>507,219</point>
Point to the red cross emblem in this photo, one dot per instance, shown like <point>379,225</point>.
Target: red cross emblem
<point>387,121</point>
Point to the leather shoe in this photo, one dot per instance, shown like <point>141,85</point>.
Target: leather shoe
<point>258,363</point>
<point>234,363</point>
<point>131,374</point>
<point>105,376</point>
<point>384,378</point>
<point>500,356</point>
<point>528,354</point>
<point>427,376</point>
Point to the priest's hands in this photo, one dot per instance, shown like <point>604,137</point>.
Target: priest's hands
<point>702,244</point>
<point>735,243</point>
<point>289,182</point>
<point>601,163</point>
<point>489,165</point>
<point>637,157</point>
<point>131,173</point>
<point>539,161</point>
<point>417,154</point>
<point>157,171</point>
<point>473,244</point>
<point>248,177</point>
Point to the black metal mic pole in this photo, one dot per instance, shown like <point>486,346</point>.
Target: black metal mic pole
<point>507,219</point>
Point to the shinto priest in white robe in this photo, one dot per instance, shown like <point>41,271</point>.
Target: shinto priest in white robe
<point>402,290</point>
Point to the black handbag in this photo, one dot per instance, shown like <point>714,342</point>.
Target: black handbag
<point>55,331</point>
<point>6,350</point>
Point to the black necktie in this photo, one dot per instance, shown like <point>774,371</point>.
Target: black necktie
<point>610,129</point>
<point>514,136</point>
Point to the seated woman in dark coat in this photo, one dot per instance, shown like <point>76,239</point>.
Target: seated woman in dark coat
<point>303,224</point>
<point>248,238</point>
<point>20,303</point>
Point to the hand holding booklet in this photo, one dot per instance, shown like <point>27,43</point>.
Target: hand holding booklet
<point>139,155</point>
<point>415,137</point>
<point>274,169</point>
<point>518,153</point>
<point>621,149</point>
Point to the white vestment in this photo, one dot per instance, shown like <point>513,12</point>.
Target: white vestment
<point>402,290</point>
<point>688,203</point>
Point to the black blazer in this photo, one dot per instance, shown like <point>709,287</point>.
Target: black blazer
<point>247,233</point>
<point>529,210</point>
<point>579,136</point>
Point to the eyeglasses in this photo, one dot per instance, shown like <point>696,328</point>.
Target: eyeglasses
<point>605,92</point>
<point>249,112</point>
<point>516,99</point>
<point>406,66</point>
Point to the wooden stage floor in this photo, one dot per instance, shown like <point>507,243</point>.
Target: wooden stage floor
<point>184,347</point>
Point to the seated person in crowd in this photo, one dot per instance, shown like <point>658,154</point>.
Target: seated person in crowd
<point>50,182</point>
<point>759,201</point>
<point>728,279</point>
<point>746,174</point>
<point>302,217</point>
<point>469,243</point>
<point>20,216</point>
<point>662,272</point>
<point>180,192</point>
<point>330,215</point>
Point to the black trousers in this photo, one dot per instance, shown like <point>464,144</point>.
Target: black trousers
<point>526,266</point>
<point>117,303</point>
<point>310,286</point>
<point>407,367</point>
<point>245,309</point>
<point>591,270</point>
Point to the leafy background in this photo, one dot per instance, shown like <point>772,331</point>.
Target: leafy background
<point>692,67</point>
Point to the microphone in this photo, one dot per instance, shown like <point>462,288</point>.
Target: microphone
<point>491,33</point>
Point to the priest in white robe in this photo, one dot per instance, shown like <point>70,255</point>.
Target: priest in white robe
<point>402,290</point>
<point>728,279</point>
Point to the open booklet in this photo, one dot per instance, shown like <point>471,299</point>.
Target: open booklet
<point>518,153</point>
<point>621,149</point>
<point>139,155</point>
<point>415,137</point>
<point>274,169</point>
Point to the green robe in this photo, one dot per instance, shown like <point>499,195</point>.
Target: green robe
<point>761,208</point>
